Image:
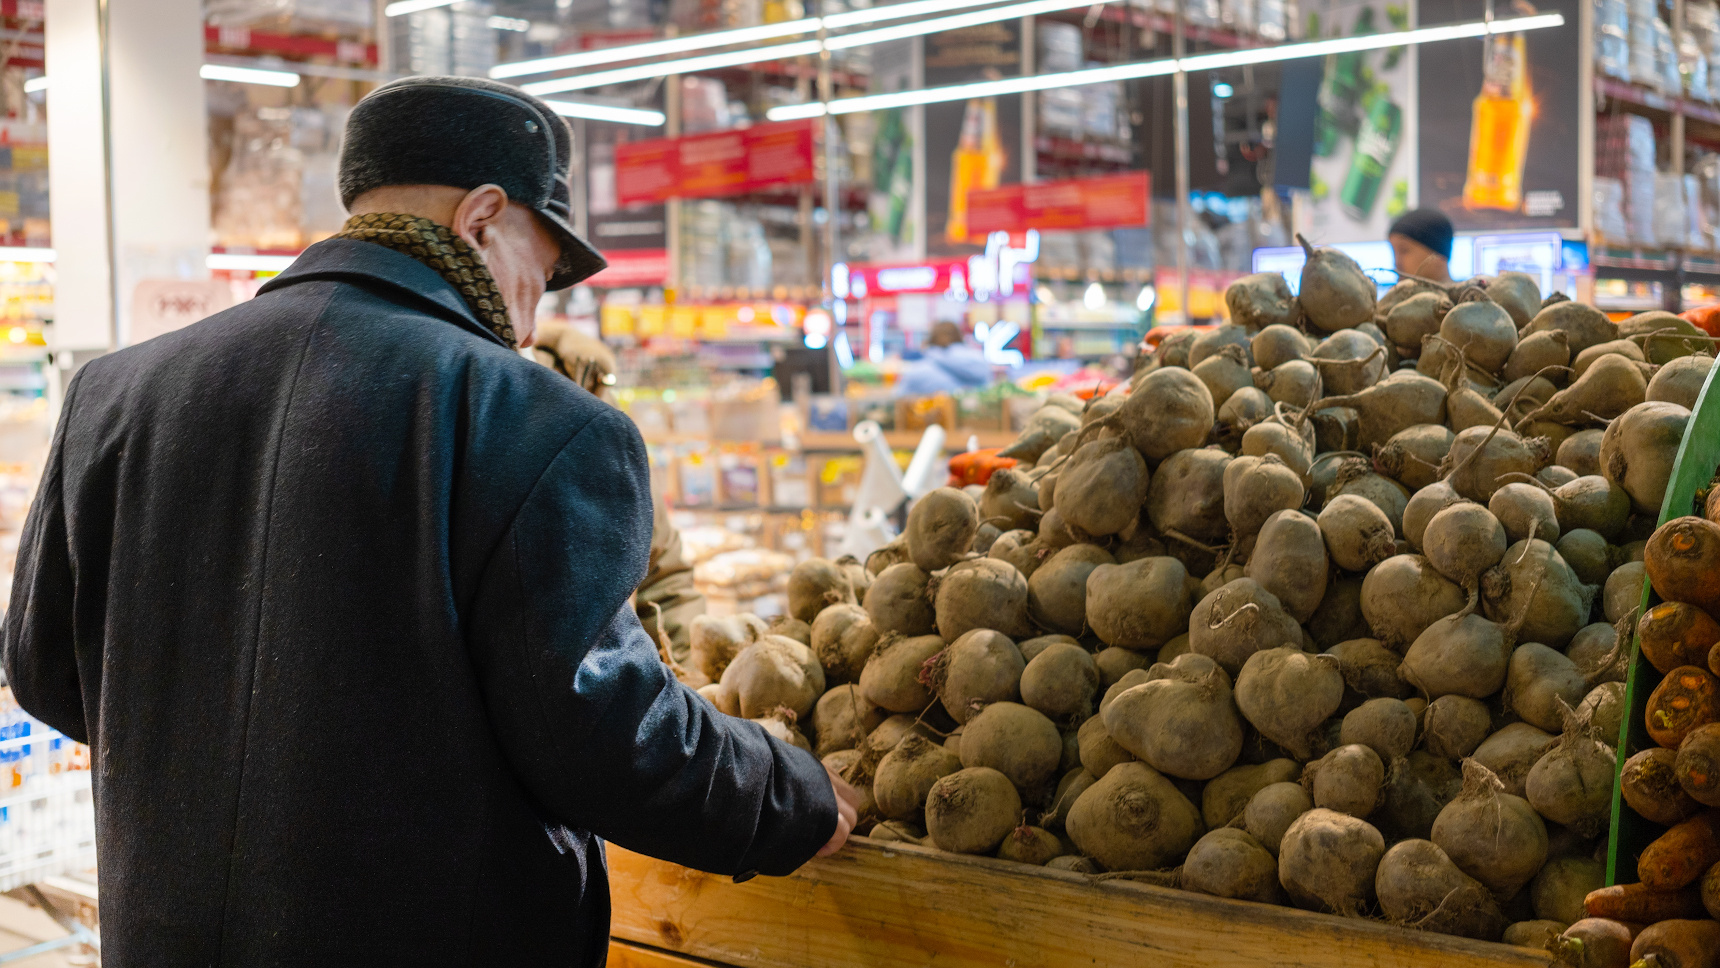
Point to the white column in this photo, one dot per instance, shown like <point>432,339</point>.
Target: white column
<point>128,158</point>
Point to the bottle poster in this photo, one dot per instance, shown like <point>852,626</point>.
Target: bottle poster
<point>1498,121</point>
<point>1361,175</point>
<point>892,224</point>
<point>974,144</point>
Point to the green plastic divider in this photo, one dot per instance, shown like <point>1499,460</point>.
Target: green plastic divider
<point>1697,458</point>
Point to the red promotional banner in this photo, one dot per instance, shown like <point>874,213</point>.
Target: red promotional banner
<point>713,165</point>
<point>633,267</point>
<point>1113,201</point>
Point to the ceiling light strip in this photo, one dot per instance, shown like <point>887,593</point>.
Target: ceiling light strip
<point>1157,68</point>
<point>645,72</point>
<point>726,38</point>
<point>1013,11</point>
<point>623,75</point>
<point>607,112</point>
<point>248,75</point>
<point>404,7</point>
<point>655,48</point>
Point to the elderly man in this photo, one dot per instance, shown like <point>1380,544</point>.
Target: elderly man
<point>334,584</point>
<point>667,593</point>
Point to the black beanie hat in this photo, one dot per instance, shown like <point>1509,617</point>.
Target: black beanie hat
<point>466,132</point>
<point>1428,226</point>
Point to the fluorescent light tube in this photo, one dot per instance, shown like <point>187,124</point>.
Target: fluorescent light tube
<point>1156,68</point>
<point>957,92</point>
<point>404,7</point>
<point>35,84</point>
<point>644,72</point>
<point>607,112</point>
<point>1345,45</point>
<point>920,28</point>
<point>654,48</point>
<point>725,38</point>
<point>802,48</point>
<point>249,75</point>
<point>241,262</point>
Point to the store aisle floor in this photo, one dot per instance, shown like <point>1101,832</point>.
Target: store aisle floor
<point>22,925</point>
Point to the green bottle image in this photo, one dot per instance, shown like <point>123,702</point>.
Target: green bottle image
<point>1376,145</point>
<point>1339,87</point>
<point>886,142</point>
<point>901,188</point>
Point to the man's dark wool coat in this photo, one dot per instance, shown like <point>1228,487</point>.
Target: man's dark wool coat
<point>335,586</point>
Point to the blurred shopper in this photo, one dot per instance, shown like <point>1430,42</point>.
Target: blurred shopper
<point>1421,245</point>
<point>334,584</point>
<point>668,585</point>
<point>947,364</point>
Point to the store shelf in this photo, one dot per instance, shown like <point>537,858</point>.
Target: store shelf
<point>1627,305</point>
<point>1057,151</point>
<point>243,40</point>
<point>1162,23</point>
<point>1043,272</point>
<point>759,509</point>
<point>1641,100</point>
<point>1653,265</point>
<point>955,441</point>
<point>794,70</point>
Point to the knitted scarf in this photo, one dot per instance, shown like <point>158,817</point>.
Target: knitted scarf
<point>439,248</point>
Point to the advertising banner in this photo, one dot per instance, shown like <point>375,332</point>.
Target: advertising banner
<point>1499,120</point>
<point>634,239</point>
<point>1111,201</point>
<point>715,164</point>
<point>1359,178</point>
<point>892,230</point>
<point>973,144</point>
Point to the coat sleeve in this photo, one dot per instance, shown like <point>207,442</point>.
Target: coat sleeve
<point>39,655</point>
<point>597,729</point>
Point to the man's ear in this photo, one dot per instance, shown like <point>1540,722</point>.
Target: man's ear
<point>478,213</point>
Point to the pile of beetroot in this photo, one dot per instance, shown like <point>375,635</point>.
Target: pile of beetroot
<point>1323,608</point>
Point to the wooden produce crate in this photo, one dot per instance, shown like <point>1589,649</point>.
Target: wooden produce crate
<point>883,905</point>
<point>1693,468</point>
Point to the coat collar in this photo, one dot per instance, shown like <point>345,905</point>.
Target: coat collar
<point>370,265</point>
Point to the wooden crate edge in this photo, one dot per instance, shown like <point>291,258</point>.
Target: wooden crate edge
<point>709,918</point>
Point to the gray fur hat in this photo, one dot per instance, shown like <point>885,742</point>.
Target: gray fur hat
<point>466,132</point>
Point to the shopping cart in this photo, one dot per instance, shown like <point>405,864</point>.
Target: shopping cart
<point>47,819</point>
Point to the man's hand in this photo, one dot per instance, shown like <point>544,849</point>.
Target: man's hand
<point>847,812</point>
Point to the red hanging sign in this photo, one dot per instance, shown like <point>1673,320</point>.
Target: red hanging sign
<point>715,164</point>
<point>1113,201</point>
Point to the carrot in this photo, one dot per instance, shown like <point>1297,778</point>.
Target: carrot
<point>1683,562</point>
<point>976,467</point>
<point>1675,634</point>
<point>1593,943</point>
<point>1649,783</point>
<point>1684,700</point>
<point>1698,765</point>
<point>1634,902</point>
<point>1679,857</point>
<point>1678,944</point>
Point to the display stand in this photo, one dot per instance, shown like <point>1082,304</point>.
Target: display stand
<point>1693,468</point>
<point>880,905</point>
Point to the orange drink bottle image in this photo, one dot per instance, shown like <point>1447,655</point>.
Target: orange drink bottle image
<point>977,163</point>
<point>1499,130</point>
